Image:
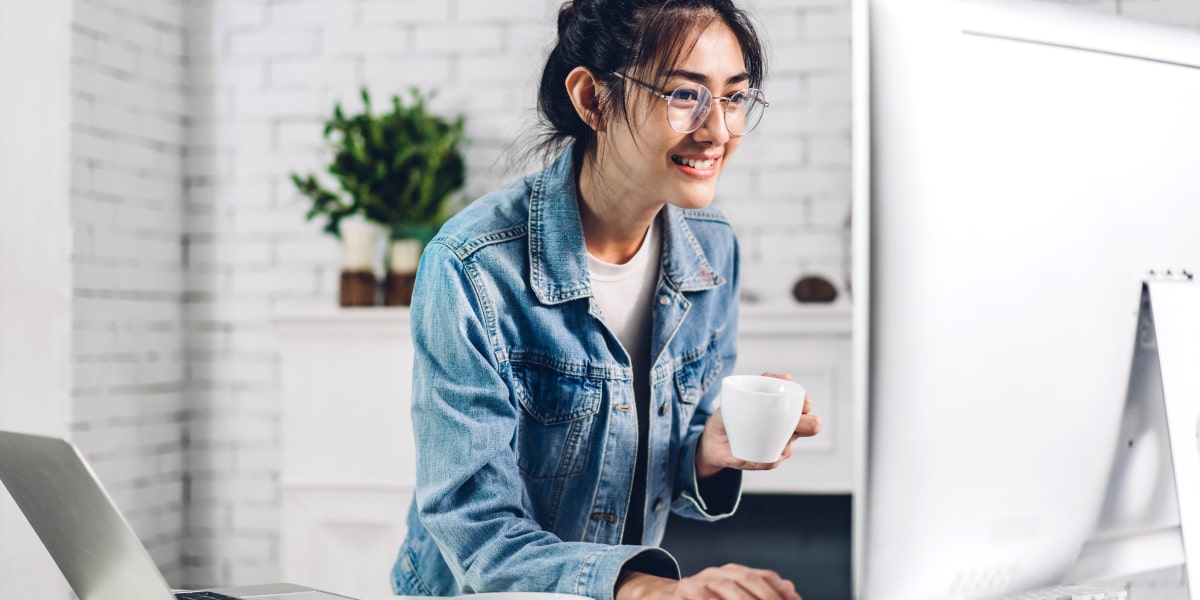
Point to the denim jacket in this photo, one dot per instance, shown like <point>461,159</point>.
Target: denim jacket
<point>523,402</point>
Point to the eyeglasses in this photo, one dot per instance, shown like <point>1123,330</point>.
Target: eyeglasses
<point>689,104</point>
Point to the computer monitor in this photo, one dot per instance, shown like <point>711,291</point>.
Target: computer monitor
<point>1019,168</point>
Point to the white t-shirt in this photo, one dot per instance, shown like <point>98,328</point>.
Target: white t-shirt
<point>625,293</point>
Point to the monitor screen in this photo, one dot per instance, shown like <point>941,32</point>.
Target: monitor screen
<point>1019,169</point>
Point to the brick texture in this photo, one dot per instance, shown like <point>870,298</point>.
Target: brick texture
<point>128,129</point>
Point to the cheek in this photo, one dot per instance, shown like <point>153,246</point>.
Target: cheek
<point>730,148</point>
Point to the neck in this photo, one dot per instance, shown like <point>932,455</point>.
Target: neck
<point>615,220</point>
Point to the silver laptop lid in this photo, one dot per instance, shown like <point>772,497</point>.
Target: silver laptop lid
<point>94,547</point>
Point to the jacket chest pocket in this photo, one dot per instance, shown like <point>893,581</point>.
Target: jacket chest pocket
<point>694,379</point>
<point>557,412</point>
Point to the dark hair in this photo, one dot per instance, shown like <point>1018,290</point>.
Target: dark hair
<point>646,37</point>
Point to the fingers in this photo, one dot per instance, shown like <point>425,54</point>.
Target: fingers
<point>808,426</point>
<point>807,405</point>
<point>777,375</point>
<point>766,584</point>
<point>736,582</point>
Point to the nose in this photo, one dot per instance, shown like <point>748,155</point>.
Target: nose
<point>713,129</point>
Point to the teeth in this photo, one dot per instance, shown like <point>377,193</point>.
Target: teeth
<point>696,164</point>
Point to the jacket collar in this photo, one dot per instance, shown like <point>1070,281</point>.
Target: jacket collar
<point>557,253</point>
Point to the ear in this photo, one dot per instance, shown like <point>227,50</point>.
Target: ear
<point>582,88</point>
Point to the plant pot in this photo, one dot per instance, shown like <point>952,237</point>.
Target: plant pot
<point>403,258</point>
<point>358,285</point>
<point>357,288</point>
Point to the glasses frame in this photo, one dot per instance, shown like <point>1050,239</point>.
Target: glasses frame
<point>707,110</point>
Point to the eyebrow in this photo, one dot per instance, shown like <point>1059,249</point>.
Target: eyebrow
<point>703,79</point>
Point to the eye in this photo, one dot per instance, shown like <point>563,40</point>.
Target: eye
<point>741,99</point>
<point>685,95</point>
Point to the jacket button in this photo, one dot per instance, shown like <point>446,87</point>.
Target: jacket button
<point>663,300</point>
<point>662,409</point>
<point>658,505</point>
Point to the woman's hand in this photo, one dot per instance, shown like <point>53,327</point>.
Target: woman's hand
<point>713,454</point>
<point>729,582</point>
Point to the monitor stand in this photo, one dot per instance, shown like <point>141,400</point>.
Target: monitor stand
<point>1171,308</point>
<point>1150,521</point>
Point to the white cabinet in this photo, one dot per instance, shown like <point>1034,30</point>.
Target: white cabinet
<point>348,467</point>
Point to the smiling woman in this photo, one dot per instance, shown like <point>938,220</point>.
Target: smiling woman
<point>571,328</point>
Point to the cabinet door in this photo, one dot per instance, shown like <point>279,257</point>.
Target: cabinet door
<point>343,539</point>
<point>345,390</point>
<point>348,465</point>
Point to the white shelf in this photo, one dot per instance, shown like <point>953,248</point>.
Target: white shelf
<point>805,320</point>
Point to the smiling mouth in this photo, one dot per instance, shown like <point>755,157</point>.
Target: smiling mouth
<point>693,163</point>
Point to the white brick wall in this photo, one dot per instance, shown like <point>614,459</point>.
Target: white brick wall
<point>127,140</point>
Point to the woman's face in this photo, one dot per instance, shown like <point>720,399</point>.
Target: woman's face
<point>654,163</point>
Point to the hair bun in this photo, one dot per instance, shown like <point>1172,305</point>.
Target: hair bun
<point>566,15</point>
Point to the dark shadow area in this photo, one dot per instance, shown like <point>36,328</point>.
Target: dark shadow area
<point>804,538</point>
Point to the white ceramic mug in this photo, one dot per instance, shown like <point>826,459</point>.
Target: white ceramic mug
<point>760,415</point>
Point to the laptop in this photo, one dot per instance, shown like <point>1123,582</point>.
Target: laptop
<point>93,545</point>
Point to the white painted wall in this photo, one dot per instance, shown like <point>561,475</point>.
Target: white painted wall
<point>35,274</point>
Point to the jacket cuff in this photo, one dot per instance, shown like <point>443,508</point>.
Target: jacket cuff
<point>721,493</point>
<point>602,569</point>
<point>716,497</point>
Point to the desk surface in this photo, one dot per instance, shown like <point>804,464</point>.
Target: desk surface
<point>1137,591</point>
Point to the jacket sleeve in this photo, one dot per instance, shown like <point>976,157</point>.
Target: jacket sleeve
<point>718,496</point>
<point>469,492</point>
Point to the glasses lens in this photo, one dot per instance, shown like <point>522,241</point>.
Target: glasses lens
<point>688,107</point>
<point>744,111</point>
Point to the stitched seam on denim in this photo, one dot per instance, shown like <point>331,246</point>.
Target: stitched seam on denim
<point>412,572</point>
<point>569,367</point>
<point>690,283</point>
<point>709,215</point>
<point>585,572</point>
<point>556,491</point>
<point>530,405</point>
<point>535,241</point>
<point>679,364</point>
<point>469,247</point>
<point>564,465</point>
<point>687,285</point>
<point>691,356</point>
<point>687,308</point>
<point>540,284</point>
<point>560,482</point>
<point>589,522</point>
<point>481,297</point>
<point>570,454</point>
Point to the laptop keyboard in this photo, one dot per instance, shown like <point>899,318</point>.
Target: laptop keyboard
<point>202,596</point>
<point>1072,592</point>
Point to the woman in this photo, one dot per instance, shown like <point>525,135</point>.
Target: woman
<point>572,328</point>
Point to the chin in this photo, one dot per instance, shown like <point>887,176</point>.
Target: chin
<point>695,196</point>
<point>693,201</point>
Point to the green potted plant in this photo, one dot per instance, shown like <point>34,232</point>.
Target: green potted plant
<point>397,170</point>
